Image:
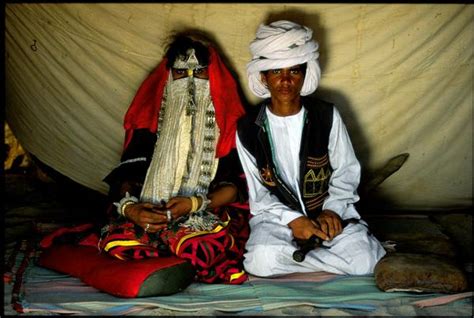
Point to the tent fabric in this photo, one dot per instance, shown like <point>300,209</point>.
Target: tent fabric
<point>401,75</point>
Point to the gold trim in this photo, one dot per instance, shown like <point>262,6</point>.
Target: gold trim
<point>113,244</point>
<point>237,275</point>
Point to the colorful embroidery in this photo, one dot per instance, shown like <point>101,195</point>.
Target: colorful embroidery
<point>316,179</point>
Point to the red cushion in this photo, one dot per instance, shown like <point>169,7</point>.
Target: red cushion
<point>130,278</point>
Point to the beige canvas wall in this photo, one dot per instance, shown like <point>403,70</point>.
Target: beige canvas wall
<point>401,75</point>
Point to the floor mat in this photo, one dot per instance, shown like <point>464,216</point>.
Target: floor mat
<point>36,290</point>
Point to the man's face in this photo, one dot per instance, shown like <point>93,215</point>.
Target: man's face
<point>198,72</point>
<point>284,84</point>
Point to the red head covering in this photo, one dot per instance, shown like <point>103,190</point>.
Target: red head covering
<point>145,107</point>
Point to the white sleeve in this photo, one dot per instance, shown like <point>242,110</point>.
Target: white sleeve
<point>345,177</point>
<point>260,198</point>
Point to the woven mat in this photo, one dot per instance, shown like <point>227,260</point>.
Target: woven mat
<point>36,290</point>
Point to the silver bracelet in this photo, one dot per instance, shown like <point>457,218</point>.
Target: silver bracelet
<point>124,202</point>
<point>205,201</point>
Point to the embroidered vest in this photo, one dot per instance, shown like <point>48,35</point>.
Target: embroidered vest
<point>315,169</point>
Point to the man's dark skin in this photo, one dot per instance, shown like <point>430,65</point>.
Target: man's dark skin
<point>285,87</point>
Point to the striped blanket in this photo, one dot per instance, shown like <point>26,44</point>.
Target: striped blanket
<point>33,290</point>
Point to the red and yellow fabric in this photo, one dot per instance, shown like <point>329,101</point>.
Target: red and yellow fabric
<point>216,254</point>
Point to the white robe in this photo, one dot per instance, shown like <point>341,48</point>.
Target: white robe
<point>270,246</point>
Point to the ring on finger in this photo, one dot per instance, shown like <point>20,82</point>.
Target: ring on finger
<point>147,227</point>
<point>168,215</point>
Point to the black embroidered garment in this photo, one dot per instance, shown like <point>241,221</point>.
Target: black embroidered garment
<point>315,169</point>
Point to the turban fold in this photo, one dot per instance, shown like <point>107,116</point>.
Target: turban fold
<point>283,44</point>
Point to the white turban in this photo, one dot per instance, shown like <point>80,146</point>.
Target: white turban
<point>283,44</point>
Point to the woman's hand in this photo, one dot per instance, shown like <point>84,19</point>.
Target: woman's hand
<point>179,206</point>
<point>154,217</point>
<point>150,217</point>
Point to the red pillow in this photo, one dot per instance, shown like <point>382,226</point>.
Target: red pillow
<point>129,278</point>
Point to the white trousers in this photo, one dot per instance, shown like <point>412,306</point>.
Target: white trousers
<point>270,250</point>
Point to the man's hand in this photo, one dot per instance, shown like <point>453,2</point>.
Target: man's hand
<point>330,223</point>
<point>326,226</point>
<point>303,228</point>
